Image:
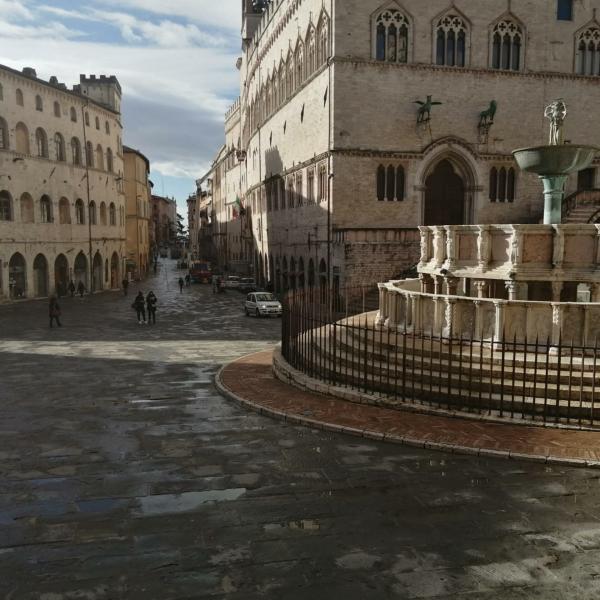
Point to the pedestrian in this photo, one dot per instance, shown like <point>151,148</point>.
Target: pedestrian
<point>151,301</point>
<point>125,284</point>
<point>81,288</point>
<point>181,282</point>
<point>215,282</point>
<point>155,267</point>
<point>54,311</point>
<point>188,280</point>
<point>71,288</point>
<point>139,304</point>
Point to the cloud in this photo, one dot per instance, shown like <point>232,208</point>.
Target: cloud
<point>134,30</point>
<point>13,10</point>
<point>225,14</point>
<point>175,62</point>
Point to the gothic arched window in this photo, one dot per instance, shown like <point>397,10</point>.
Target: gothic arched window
<point>391,36</point>
<point>311,66</point>
<point>503,184</point>
<point>507,46</point>
<point>588,52</point>
<point>451,41</point>
<point>390,183</point>
<point>323,40</point>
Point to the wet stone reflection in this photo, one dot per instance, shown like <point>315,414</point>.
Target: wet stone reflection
<point>124,474</point>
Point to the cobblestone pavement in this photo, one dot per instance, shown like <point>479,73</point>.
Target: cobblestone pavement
<point>123,474</point>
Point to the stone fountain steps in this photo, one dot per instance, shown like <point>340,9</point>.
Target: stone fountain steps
<point>415,392</point>
<point>419,366</point>
<point>448,384</point>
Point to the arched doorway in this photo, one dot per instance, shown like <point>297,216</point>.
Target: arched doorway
<point>40,276</point>
<point>61,275</point>
<point>311,273</point>
<point>80,269</point>
<point>17,276</point>
<point>323,273</point>
<point>114,271</point>
<point>301,273</point>
<point>444,196</point>
<point>97,273</point>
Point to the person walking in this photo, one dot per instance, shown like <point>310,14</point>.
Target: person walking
<point>188,280</point>
<point>54,311</point>
<point>139,304</point>
<point>125,284</point>
<point>71,288</point>
<point>151,301</point>
<point>81,288</point>
<point>181,282</point>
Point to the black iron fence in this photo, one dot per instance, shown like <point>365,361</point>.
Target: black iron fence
<point>333,336</point>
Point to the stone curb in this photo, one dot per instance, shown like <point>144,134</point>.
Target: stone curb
<point>390,438</point>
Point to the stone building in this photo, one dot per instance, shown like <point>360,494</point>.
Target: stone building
<point>325,149</point>
<point>138,195</point>
<point>164,220</point>
<point>62,210</point>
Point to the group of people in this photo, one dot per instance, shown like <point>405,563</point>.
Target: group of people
<point>80,288</point>
<point>141,304</point>
<point>187,282</point>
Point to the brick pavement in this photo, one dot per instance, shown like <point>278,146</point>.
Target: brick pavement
<point>250,380</point>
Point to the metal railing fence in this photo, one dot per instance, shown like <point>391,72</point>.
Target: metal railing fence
<point>332,336</point>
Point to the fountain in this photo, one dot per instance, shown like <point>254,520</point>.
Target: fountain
<point>555,162</point>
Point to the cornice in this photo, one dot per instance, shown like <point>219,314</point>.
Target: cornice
<point>438,69</point>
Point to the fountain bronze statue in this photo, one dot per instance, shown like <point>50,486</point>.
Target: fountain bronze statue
<point>555,162</point>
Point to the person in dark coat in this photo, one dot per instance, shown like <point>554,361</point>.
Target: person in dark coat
<point>151,301</point>
<point>54,311</point>
<point>139,304</point>
<point>125,284</point>
<point>81,288</point>
<point>71,288</point>
<point>181,283</point>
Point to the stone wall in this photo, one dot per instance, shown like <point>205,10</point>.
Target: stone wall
<point>373,256</point>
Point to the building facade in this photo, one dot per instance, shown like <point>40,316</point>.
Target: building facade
<point>332,156</point>
<point>164,220</point>
<point>62,210</point>
<point>138,195</point>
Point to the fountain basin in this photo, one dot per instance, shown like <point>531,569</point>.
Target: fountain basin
<point>555,160</point>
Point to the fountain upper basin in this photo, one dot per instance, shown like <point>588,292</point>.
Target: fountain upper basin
<point>555,160</point>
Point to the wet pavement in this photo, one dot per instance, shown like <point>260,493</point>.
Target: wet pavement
<point>123,474</point>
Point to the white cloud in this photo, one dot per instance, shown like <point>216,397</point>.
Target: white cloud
<point>177,69</point>
<point>13,10</point>
<point>225,14</point>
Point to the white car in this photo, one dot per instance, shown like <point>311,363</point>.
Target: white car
<point>262,304</point>
<point>232,282</point>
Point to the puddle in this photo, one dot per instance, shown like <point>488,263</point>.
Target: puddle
<point>304,524</point>
<point>100,505</point>
<point>186,502</point>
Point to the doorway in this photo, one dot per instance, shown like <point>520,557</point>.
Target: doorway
<point>444,196</point>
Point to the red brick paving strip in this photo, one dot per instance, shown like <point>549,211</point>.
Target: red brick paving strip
<point>250,381</point>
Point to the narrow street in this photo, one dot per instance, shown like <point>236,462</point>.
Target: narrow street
<point>124,474</point>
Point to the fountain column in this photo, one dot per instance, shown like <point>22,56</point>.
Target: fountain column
<point>554,193</point>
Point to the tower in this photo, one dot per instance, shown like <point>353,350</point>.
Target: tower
<point>104,89</point>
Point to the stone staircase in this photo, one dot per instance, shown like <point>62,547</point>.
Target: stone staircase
<point>402,370</point>
<point>582,207</point>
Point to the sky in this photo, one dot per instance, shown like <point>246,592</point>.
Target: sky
<point>175,60</point>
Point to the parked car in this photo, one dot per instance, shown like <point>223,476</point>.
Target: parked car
<point>262,304</point>
<point>232,282</point>
<point>247,285</point>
